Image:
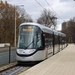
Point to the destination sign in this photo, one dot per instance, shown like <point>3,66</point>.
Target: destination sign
<point>28,29</point>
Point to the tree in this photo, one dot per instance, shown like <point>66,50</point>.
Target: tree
<point>47,18</point>
<point>24,17</point>
<point>7,21</point>
<point>69,30</point>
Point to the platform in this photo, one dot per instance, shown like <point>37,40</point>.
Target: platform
<point>63,63</point>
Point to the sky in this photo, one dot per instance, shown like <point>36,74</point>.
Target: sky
<point>63,9</point>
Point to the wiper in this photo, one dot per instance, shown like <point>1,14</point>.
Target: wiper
<point>32,42</point>
<point>29,44</point>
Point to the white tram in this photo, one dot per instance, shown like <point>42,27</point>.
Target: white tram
<point>37,42</point>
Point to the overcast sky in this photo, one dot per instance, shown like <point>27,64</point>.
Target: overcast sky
<point>65,9</point>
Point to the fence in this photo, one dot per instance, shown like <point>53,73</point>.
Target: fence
<point>7,55</point>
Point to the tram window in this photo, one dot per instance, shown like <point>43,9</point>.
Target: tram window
<point>30,37</point>
<point>39,40</point>
<point>63,40</point>
<point>56,39</point>
<point>60,40</point>
<point>48,39</point>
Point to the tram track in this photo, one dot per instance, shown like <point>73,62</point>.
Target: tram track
<point>15,70</point>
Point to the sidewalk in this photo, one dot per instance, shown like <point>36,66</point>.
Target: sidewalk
<point>63,63</point>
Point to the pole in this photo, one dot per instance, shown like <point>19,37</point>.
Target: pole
<point>53,44</point>
<point>15,27</point>
<point>9,54</point>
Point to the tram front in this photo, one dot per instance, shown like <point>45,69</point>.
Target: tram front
<point>29,42</point>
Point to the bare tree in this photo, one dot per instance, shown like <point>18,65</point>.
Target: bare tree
<point>24,17</point>
<point>69,30</point>
<point>7,21</point>
<point>47,18</point>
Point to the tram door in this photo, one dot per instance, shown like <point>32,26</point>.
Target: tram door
<point>48,44</point>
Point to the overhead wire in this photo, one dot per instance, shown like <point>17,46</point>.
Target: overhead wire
<point>58,15</point>
<point>50,7</point>
<point>54,10</point>
<point>40,5</point>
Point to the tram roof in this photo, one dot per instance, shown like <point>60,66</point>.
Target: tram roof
<point>61,34</point>
<point>42,27</point>
<point>45,29</point>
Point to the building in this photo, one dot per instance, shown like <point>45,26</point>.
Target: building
<point>64,25</point>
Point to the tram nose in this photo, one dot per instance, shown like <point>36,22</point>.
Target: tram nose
<point>26,51</point>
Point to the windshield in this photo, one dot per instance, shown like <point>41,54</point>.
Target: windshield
<point>29,37</point>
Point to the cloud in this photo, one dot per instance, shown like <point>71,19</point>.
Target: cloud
<point>65,1</point>
<point>64,8</point>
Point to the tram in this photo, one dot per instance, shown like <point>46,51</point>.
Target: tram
<point>37,42</point>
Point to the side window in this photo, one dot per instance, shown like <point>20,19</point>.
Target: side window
<point>46,36</point>
<point>60,40</point>
<point>39,40</point>
<point>56,39</point>
<point>63,40</point>
<point>51,40</point>
<point>48,39</point>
